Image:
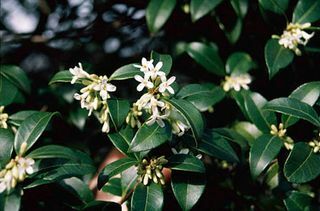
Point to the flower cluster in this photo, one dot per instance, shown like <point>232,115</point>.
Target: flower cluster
<point>280,131</point>
<point>94,95</point>
<point>315,144</point>
<point>294,35</point>
<point>152,170</point>
<point>236,82</point>
<point>15,171</point>
<point>3,118</point>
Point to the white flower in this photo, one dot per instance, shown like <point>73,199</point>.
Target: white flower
<point>104,87</point>
<point>154,72</point>
<point>6,181</point>
<point>154,103</point>
<point>26,165</point>
<point>77,73</point>
<point>165,85</point>
<point>104,119</point>
<point>143,101</point>
<point>157,117</point>
<point>237,82</point>
<point>3,118</point>
<point>145,65</point>
<point>144,82</point>
<point>294,36</point>
<point>179,127</point>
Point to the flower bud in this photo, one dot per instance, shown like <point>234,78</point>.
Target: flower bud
<point>23,148</point>
<point>146,180</point>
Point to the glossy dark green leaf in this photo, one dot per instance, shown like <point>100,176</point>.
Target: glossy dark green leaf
<point>239,63</point>
<point>17,118</point>
<point>113,169</point>
<point>158,12</point>
<point>187,188</point>
<point>297,201</point>
<point>118,111</point>
<point>8,91</point>
<point>239,98</point>
<point>6,146</point>
<point>248,130</point>
<point>78,117</point>
<point>16,76</point>
<point>200,8</point>
<point>302,164</point>
<point>202,97</point>
<point>128,180</point>
<point>294,108</point>
<point>206,56</point>
<point>232,136</point>
<point>122,139</point>
<point>165,59</point>
<point>113,186</point>
<point>240,7</point>
<point>262,152</point>
<point>61,77</point>
<point>183,162</point>
<point>149,137</point>
<point>306,11</point>
<point>272,175</point>
<point>148,198</point>
<point>215,145</point>
<point>11,202</point>
<point>307,93</point>
<point>102,205</point>
<point>31,129</point>
<point>276,6</point>
<point>191,114</point>
<point>125,72</point>
<point>277,57</point>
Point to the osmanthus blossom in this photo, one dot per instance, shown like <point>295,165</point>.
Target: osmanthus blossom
<point>3,118</point>
<point>295,35</point>
<point>145,65</point>
<point>151,170</point>
<point>236,82</point>
<point>166,84</point>
<point>144,82</point>
<point>94,96</point>
<point>315,145</point>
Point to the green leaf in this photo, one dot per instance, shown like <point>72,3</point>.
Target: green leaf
<point>128,180</point>
<point>200,8</point>
<point>215,145</point>
<point>183,162</point>
<point>8,91</point>
<point>102,205</point>
<point>248,130</point>
<point>307,93</point>
<point>239,98</point>
<point>276,6</point>
<point>201,96</point>
<point>306,11</point>
<point>239,63</point>
<point>11,202</point>
<point>17,77</point>
<point>118,111</point>
<point>165,59</point>
<point>78,117</point>
<point>272,177</point>
<point>191,114</point>
<point>207,56</point>
<point>125,72</point>
<point>149,137</point>
<point>31,129</point>
<point>122,139</point>
<point>113,169</point>
<point>233,136</point>
<point>302,164</point>
<point>61,77</point>
<point>6,146</point>
<point>297,201</point>
<point>17,118</point>
<point>240,7</point>
<point>262,152</point>
<point>276,56</point>
<point>148,198</point>
<point>294,108</point>
<point>187,188</point>
<point>113,187</point>
<point>158,12</point>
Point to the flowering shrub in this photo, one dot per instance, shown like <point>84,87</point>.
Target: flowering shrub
<point>163,130</point>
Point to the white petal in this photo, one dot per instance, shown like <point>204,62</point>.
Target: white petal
<point>137,66</point>
<point>171,80</point>
<point>74,79</point>
<point>140,87</point>
<point>111,87</point>
<point>169,88</point>
<point>162,88</point>
<point>150,85</point>
<point>138,78</point>
<point>29,170</point>
<point>158,65</point>
<point>144,61</point>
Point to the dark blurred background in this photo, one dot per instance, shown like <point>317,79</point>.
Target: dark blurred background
<point>46,36</point>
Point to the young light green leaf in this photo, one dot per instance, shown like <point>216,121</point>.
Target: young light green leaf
<point>165,59</point>
<point>276,6</point>
<point>206,56</point>
<point>239,63</point>
<point>302,164</point>
<point>118,111</point>
<point>187,188</point>
<point>191,114</point>
<point>158,12</point>
<point>276,56</point>
<point>148,198</point>
<point>183,162</point>
<point>297,201</point>
<point>31,129</point>
<point>16,76</point>
<point>307,93</point>
<point>113,169</point>
<point>6,146</point>
<point>149,137</point>
<point>294,108</point>
<point>306,11</point>
<point>8,91</point>
<point>262,152</point>
<point>200,8</point>
<point>61,77</point>
<point>125,72</point>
